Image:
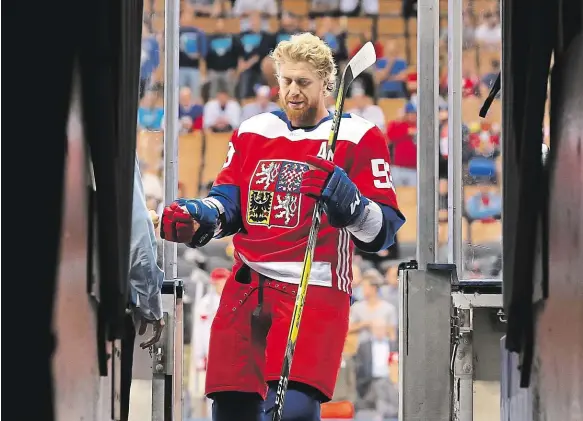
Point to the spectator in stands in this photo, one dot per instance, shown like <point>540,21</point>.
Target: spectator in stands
<point>189,112</point>
<point>145,280</point>
<point>469,30</point>
<point>489,78</point>
<point>443,142</point>
<point>390,72</point>
<point>223,54</point>
<point>222,114</point>
<point>207,8</point>
<point>374,386</point>
<point>256,45</point>
<point>364,107</point>
<point>345,389</point>
<point>150,59</point>
<point>363,313</point>
<point>153,189</point>
<point>411,86</point>
<point>205,312</point>
<point>355,7</point>
<point>484,141</point>
<point>262,104</point>
<point>289,25</point>
<point>357,293</point>
<point>323,8</point>
<point>390,290</point>
<point>489,33</point>
<point>402,135</point>
<point>245,9</point>
<point>150,115</point>
<point>470,82</point>
<point>366,77</point>
<point>335,36</point>
<point>485,205</point>
<point>193,48</point>
<point>409,9</point>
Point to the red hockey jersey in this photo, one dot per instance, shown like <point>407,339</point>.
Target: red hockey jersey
<point>266,161</point>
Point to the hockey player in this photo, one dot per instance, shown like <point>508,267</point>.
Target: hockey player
<point>265,194</point>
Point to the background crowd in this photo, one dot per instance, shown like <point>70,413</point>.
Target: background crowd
<point>226,76</point>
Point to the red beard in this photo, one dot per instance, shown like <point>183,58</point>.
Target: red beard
<point>305,116</point>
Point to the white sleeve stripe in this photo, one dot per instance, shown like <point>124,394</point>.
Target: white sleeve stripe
<point>368,226</point>
<point>217,204</point>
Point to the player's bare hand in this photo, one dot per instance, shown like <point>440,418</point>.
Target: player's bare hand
<point>155,218</point>
<point>157,328</point>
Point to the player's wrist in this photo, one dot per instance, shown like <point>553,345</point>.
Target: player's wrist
<point>359,218</point>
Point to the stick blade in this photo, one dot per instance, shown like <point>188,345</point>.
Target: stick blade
<point>362,60</point>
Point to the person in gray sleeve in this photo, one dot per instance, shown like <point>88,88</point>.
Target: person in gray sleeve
<point>146,278</point>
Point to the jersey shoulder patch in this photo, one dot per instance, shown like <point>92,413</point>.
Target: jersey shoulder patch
<point>264,124</point>
<point>353,128</point>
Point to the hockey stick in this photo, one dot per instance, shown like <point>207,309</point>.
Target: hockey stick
<point>365,58</point>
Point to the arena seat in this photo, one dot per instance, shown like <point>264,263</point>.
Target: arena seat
<point>150,149</point>
<point>353,41</point>
<point>482,6</point>
<point>392,107</point>
<point>470,59</point>
<point>407,197</point>
<point>217,145</point>
<point>189,161</point>
<point>390,7</point>
<point>341,410</point>
<point>484,232</point>
<point>471,109</point>
<point>443,233</point>
<point>391,26</point>
<point>208,24</point>
<point>299,7</point>
<point>359,24</point>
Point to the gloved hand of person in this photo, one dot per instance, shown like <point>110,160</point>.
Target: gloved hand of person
<point>189,221</point>
<point>340,197</point>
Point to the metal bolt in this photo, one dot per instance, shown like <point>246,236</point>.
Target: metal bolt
<point>159,368</point>
<point>466,340</point>
<point>467,368</point>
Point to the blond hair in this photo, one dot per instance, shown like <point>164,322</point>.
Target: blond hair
<point>310,49</point>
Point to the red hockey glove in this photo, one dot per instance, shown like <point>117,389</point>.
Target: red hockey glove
<point>177,224</point>
<point>340,197</point>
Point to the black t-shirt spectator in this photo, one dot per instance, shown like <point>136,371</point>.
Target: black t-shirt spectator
<point>255,43</point>
<point>223,52</point>
<point>193,46</point>
<point>281,35</point>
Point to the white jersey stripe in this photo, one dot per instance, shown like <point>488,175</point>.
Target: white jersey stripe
<point>271,126</point>
<point>348,261</point>
<point>342,269</point>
